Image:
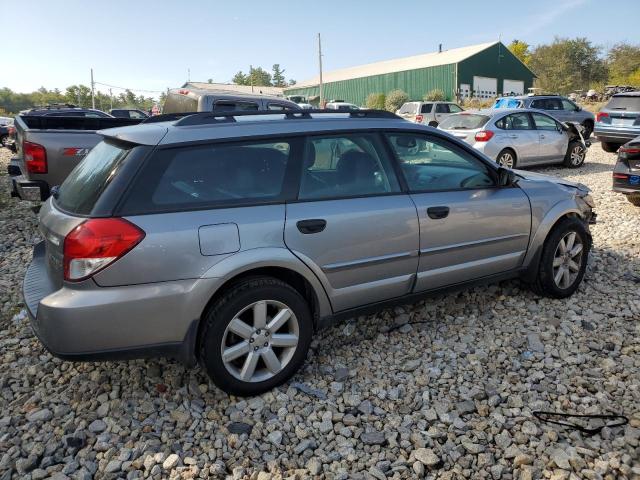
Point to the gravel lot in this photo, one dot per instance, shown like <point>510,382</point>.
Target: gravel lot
<point>440,389</point>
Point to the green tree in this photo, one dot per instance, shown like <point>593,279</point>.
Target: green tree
<point>239,78</point>
<point>567,64</point>
<point>521,50</point>
<point>375,101</point>
<point>277,76</point>
<point>395,99</point>
<point>623,61</point>
<point>292,82</point>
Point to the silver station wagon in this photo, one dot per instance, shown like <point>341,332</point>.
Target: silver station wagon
<point>229,239</point>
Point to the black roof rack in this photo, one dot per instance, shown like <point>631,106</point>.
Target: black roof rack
<point>54,106</point>
<point>167,117</point>
<point>203,118</point>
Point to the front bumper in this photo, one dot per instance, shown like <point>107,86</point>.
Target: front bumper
<point>86,322</point>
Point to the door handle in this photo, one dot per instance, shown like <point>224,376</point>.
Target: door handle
<point>315,225</point>
<point>437,212</point>
<point>513,136</point>
<point>542,136</point>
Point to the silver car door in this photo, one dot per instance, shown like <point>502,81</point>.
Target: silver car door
<point>522,137</point>
<point>553,138</point>
<point>469,227</point>
<point>351,224</point>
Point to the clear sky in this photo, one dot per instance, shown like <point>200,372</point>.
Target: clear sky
<point>144,44</point>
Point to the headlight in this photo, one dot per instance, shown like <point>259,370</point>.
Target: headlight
<point>588,199</point>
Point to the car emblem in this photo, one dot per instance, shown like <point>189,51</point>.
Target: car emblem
<point>75,151</point>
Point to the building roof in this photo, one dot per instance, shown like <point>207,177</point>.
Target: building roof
<point>425,60</point>
<point>232,87</point>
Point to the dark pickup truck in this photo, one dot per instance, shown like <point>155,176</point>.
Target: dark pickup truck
<point>49,146</point>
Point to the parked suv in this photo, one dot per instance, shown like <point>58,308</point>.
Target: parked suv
<point>626,173</point>
<point>231,243</point>
<point>619,121</point>
<point>428,113</point>
<point>185,100</point>
<point>559,107</point>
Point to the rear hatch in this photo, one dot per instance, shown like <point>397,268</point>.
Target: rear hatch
<point>621,111</point>
<point>409,110</point>
<point>464,125</point>
<point>76,200</point>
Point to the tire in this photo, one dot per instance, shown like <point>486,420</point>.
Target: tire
<point>546,283</point>
<point>4,141</point>
<point>253,346</point>
<point>507,158</point>
<point>576,153</point>
<point>588,129</point>
<point>433,124</point>
<point>610,147</point>
<point>634,198</point>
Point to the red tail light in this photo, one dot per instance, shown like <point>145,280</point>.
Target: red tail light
<point>35,157</point>
<point>601,115</point>
<point>622,176</point>
<point>97,243</point>
<point>419,118</point>
<point>484,135</point>
<point>11,130</point>
<point>629,150</point>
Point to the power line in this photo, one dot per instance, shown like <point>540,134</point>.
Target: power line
<point>126,88</point>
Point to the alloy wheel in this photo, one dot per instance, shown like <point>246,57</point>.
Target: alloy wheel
<point>577,155</point>
<point>567,260</point>
<point>260,341</point>
<point>506,160</point>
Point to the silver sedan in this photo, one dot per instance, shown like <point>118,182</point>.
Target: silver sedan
<point>517,137</point>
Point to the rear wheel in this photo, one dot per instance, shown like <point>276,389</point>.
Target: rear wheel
<point>256,336</point>
<point>507,158</point>
<point>634,198</point>
<point>4,140</point>
<point>610,147</point>
<point>575,155</point>
<point>433,123</point>
<point>564,259</point>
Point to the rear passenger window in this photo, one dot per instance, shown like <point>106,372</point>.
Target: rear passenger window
<point>345,166</point>
<point>426,108</point>
<point>516,121</point>
<point>442,108</point>
<point>278,107</point>
<point>234,106</point>
<point>211,175</point>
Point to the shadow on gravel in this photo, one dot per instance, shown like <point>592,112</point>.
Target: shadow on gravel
<point>587,169</point>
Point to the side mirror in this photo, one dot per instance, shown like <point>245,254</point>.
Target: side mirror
<point>578,108</point>
<point>506,177</point>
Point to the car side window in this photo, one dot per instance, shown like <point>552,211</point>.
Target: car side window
<point>347,165</point>
<point>212,175</point>
<point>432,164</point>
<point>539,104</point>
<point>226,106</point>
<point>544,122</point>
<point>568,105</point>
<point>453,108</point>
<point>426,108</point>
<point>519,121</point>
<point>278,107</point>
<point>442,108</point>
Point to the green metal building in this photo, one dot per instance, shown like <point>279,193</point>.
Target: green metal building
<point>484,71</point>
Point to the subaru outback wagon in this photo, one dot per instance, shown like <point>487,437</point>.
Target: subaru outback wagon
<point>230,239</point>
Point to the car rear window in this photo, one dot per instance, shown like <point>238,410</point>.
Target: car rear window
<point>86,182</point>
<point>214,175</point>
<point>628,103</point>
<point>507,103</point>
<point>465,121</point>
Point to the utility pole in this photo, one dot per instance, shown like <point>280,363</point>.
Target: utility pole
<point>251,76</point>
<point>93,97</point>
<point>111,98</point>
<point>321,105</point>
<point>188,74</point>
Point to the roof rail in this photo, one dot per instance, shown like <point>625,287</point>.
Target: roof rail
<point>203,118</point>
<point>167,117</point>
<point>53,106</point>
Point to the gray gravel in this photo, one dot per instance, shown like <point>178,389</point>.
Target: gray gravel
<point>440,389</point>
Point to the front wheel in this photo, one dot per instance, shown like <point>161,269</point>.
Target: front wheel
<point>576,153</point>
<point>507,158</point>
<point>256,336</point>
<point>564,259</point>
<point>634,198</point>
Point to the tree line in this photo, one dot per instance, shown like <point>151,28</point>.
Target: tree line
<point>12,102</point>
<point>259,77</point>
<point>566,65</point>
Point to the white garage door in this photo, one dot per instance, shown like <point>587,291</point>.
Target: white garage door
<point>485,87</point>
<point>513,86</point>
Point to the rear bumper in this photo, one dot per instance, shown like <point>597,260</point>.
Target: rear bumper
<point>615,134</point>
<point>87,322</point>
<point>32,190</point>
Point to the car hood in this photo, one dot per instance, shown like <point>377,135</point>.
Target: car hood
<point>539,177</point>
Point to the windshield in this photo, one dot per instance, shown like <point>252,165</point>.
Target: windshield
<point>466,121</point>
<point>628,103</point>
<point>86,182</point>
<point>507,103</point>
